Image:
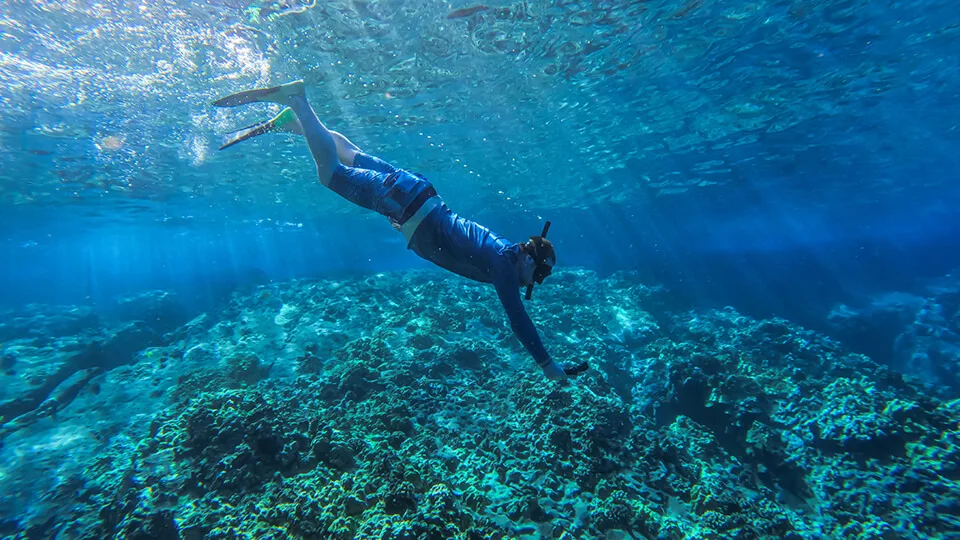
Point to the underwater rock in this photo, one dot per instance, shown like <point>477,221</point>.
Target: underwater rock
<point>201,354</point>
<point>308,363</point>
<point>245,368</point>
<point>915,334</point>
<point>233,437</point>
<point>815,410</point>
<point>161,311</point>
<point>43,323</point>
<point>289,314</point>
<point>46,368</point>
<point>26,411</point>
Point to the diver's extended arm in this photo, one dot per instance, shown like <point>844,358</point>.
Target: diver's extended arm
<point>525,330</point>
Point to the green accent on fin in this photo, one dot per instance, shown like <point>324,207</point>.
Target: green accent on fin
<point>285,121</point>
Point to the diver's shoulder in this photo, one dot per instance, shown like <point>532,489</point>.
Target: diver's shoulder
<point>507,250</point>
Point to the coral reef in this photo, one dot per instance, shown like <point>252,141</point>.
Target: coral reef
<point>401,406</point>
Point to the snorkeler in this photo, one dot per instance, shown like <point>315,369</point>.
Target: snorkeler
<point>411,203</point>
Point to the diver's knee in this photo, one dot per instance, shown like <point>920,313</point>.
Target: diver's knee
<point>327,176</point>
<point>348,156</point>
<point>346,150</point>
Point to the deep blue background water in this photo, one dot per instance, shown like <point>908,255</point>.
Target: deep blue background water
<point>766,259</point>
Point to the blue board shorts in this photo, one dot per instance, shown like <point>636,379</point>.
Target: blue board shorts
<point>376,185</point>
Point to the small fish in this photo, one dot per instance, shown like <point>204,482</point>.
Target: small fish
<point>40,152</point>
<point>466,12</point>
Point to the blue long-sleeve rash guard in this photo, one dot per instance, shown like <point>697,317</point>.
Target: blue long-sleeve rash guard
<point>475,252</point>
<point>445,239</point>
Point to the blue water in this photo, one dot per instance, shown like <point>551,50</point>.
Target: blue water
<point>810,138</point>
<point>779,157</point>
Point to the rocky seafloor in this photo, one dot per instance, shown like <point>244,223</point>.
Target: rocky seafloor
<point>401,406</point>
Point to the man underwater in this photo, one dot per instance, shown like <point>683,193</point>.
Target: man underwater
<point>411,203</point>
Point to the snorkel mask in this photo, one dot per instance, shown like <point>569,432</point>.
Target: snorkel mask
<point>543,256</point>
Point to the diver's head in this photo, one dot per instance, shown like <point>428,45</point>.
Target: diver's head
<point>538,261</point>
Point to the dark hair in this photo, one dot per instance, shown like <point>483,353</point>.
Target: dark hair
<point>541,250</point>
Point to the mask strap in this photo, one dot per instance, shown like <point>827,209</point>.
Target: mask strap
<point>546,228</point>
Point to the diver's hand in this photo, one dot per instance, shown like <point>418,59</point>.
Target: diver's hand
<point>576,370</point>
<point>554,372</point>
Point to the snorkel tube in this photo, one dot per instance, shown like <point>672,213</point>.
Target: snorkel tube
<point>546,227</point>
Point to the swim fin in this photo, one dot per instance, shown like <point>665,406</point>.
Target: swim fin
<point>276,94</point>
<point>285,121</point>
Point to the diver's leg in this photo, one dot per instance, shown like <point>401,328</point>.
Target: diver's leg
<point>293,95</point>
<point>319,138</point>
<point>362,179</point>
<point>362,187</point>
<point>330,148</point>
<point>346,150</point>
<point>366,161</point>
<point>351,156</point>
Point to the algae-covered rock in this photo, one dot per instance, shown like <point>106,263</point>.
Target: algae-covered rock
<point>913,332</point>
<point>289,314</point>
<point>366,412</point>
<point>245,368</point>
